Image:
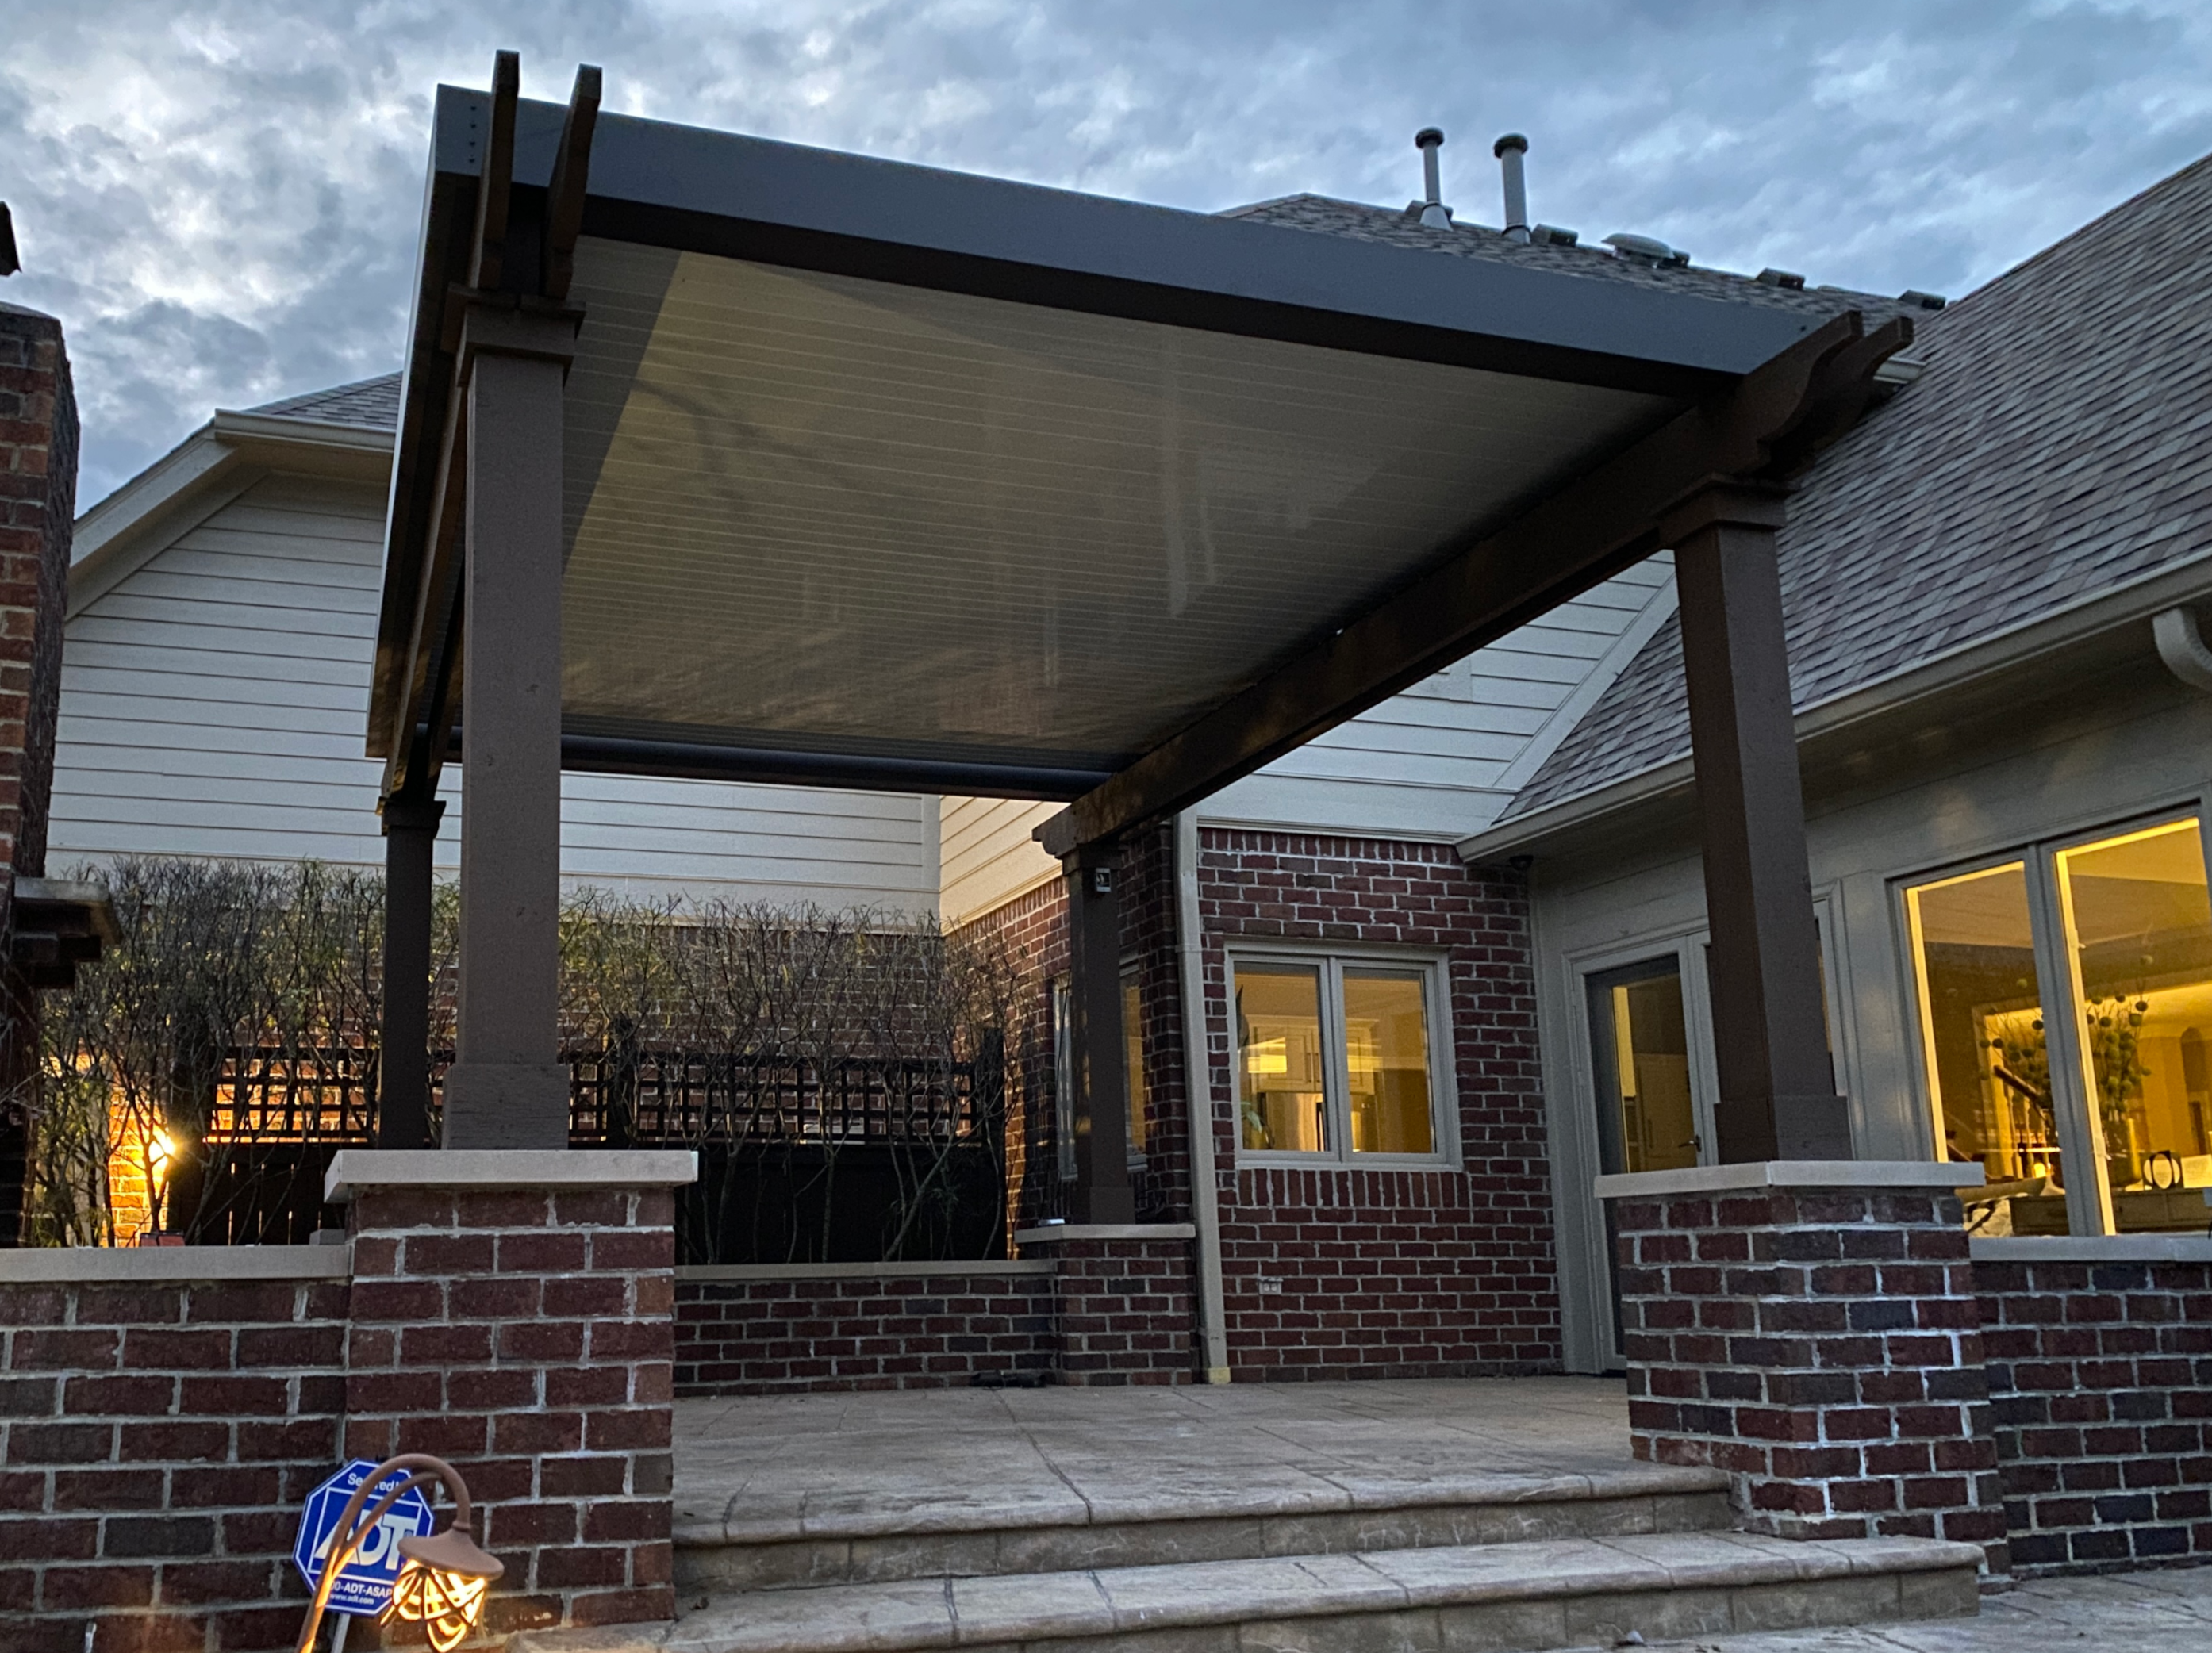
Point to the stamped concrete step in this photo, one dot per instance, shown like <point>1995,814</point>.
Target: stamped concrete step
<point>1555,1592</point>
<point>949,1537</point>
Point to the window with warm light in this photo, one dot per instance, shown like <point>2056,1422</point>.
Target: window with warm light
<point>2065,1001</point>
<point>1133,1062</point>
<point>1134,1082</point>
<point>1336,1057</point>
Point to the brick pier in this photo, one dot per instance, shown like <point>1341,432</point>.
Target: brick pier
<point>1811,1327</point>
<point>1123,1300</point>
<point>513,1311</point>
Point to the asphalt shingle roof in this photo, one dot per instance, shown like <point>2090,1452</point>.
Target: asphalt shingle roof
<point>2058,445</point>
<point>372,404</point>
<point>1327,216</point>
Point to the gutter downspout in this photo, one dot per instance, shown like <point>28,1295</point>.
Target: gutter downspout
<point>2181,646</point>
<point>1198,1091</point>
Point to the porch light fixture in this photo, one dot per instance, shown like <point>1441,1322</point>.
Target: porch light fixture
<point>443,1576</point>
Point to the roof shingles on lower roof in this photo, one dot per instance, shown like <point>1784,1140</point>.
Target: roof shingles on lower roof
<point>2058,445</point>
<point>370,404</point>
<point>1327,216</point>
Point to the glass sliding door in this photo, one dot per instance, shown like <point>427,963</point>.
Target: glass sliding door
<point>2065,1006</point>
<point>1982,1035</point>
<point>2138,939</point>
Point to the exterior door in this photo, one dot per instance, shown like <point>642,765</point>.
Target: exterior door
<point>1648,1118</point>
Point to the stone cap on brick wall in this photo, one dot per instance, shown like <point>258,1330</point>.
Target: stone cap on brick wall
<point>740,1272</point>
<point>2090,1248</point>
<point>1790,1173</point>
<point>352,1169</point>
<point>142,1264</point>
<point>1105,1231</point>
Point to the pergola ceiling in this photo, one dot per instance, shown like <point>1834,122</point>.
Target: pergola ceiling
<point>878,476</point>
<point>814,509</point>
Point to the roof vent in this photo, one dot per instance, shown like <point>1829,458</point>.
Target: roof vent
<point>1508,150</point>
<point>1925,300</point>
<point>10,264</point>
<point>1430,209</point>
<point>1645,250</point>
<point>1790,278</point>
<point>1551,235</point>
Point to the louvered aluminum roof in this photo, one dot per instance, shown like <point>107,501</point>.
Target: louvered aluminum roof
<point>946,475</point>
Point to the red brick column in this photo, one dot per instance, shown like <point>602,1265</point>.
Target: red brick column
<point>1125,1308</point>
<point>512,1311</point>
<point>38,504</point>
<point>1811,1327</point>
<point>38,507</point>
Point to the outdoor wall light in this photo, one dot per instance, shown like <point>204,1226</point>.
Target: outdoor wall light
<point>443,1576</point>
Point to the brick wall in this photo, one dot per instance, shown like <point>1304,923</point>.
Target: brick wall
<point>156,1437</point>
<point>1335,1272</point>
<point>2101,1382</point>
<point>763,1331</point>
<point>1349,1273</point>
<point>525,1335</point>
<point>1820,1343</point>
<point>1124,1304</point>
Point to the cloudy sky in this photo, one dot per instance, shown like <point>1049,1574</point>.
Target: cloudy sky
<point>219,197</point>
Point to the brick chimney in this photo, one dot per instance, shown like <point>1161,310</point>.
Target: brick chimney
<point>38,506</point>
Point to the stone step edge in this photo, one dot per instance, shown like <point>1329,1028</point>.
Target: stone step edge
<point>1642,1480</point>
<point>1000,1612</point>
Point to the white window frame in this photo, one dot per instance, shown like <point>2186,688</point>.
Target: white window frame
<point>2089,1200</point>
<point>1432,967</point>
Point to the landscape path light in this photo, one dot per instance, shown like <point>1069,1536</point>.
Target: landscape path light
<point>443,1576</point>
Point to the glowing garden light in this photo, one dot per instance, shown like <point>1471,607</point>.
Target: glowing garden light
<point>443,1576</point>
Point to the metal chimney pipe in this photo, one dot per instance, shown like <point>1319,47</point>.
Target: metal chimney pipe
<point>1434,214</point>
<point>1508,150</point>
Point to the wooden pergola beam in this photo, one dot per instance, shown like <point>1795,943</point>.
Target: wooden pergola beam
<point>1599,524</point>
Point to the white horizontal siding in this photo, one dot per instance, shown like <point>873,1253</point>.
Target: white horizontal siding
<point>988,854</point>
<point>214,704</point>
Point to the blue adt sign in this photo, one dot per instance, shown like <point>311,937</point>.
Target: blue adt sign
<point>365,1585</point>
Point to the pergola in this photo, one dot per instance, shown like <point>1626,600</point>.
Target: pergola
<point>732,458</point>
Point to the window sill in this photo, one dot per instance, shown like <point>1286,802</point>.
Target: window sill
<point>1265,1159</point>
<point>2091,1248</point>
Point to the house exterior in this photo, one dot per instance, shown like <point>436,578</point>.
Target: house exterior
<point>2006,738</point>
<point>1385,1189</point>
<point>1417,938</point>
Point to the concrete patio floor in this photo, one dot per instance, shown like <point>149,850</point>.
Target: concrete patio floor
<point>2163,1610</point>
<point>767,1464</point>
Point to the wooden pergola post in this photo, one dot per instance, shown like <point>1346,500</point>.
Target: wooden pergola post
<point>1778,1089</point>
<point>507,1088</point>
<point>410,839</point>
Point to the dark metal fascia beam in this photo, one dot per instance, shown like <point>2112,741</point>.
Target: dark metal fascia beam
<point>1052,288</point>
<point>1595,526</point>
<point>860,772</point>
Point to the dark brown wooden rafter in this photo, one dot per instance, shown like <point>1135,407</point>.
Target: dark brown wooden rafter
<point>1768,426</point>
<point>572,165</point>
<point>415,742</point>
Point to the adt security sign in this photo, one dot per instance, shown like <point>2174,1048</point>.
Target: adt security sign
<point>364,1584</point>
